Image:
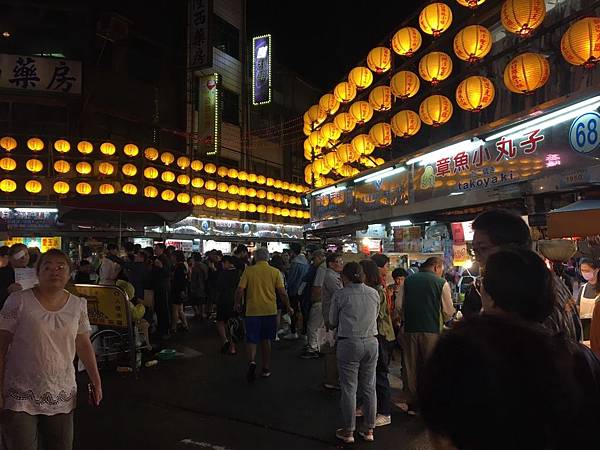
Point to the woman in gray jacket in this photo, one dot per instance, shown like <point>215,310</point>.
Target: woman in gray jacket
<point>354,312</point>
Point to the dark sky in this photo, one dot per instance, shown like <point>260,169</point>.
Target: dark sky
<point>323,40</point>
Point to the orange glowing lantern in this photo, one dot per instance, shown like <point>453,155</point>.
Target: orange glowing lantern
<point>526,73</point>
<point>472,43</point>
<point>329,104</point>
<point>406,41</point>
<point>167,158</point>
<point>363,144</point>
<point>345,122</point>
<point>580,45</point>
<point>381,134</point>
<point>361,112</point>
<point>151,154</point>
<point>379,59</point>
<point>435,18</point>
<point>35,144</point>
<point>361,77</point>
<point>85,147</point>
<point>345,92</point>
<point>62,146</point>
<point>150,192</point>
<point>522,17</point>
<point>435,67</point>
<point>130,189</point>
<point>33,187</point>
<point>34,165</point>
<point>405,123</point>
<point>405,84</point>
<point>83,188</point>
<point>436,110</point>
<point>380,98</point>
<point>475,93</point>
<point>108,149</point>
<point>131,150</point>
<point>167,195</point>
<point>8,143</point>
<point>129,170</point>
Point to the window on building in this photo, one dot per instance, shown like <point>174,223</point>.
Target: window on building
<point>231,106</point>
<point>226,37</point>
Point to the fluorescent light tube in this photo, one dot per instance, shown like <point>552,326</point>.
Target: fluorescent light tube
<point>450,150</point>
<point>401,223</point>
<point>378,176</point>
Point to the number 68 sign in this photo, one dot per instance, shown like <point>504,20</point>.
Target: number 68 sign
<point>584,134</point>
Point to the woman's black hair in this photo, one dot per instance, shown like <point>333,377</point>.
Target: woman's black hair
<point>594,264</point>
<point>371,270</point>
<point>353,271</point>
<point>399,272</point>
<point>519,282</point>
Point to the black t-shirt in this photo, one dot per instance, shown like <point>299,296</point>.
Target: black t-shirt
<point>7,277</point>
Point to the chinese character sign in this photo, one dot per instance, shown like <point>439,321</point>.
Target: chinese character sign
<point>261,70</point>
<point>209,116</point>
<point>36,73</point>
<point>199,34</point>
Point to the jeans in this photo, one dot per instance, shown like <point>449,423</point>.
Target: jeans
<point>22,431</point>
<point>315,323</point>
<point>357,359</point>
<point>383,389</point>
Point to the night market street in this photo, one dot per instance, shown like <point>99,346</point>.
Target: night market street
<point>202,400</point>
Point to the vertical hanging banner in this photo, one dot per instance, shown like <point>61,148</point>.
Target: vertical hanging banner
<point>261,70</point>
<point>209,116</point>
<point>200,44</point>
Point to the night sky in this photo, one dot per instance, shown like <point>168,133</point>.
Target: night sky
<point>323,40</point>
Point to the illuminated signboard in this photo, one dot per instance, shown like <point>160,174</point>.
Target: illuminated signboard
<point>261,70</point>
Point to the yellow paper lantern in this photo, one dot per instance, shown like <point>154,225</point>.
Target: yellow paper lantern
<point>285,185</point>
<point>526,73</point>
<point>293,213</point>
<point>197,182</point>
<point>405,123</point>
<point>406,41</point>
<point>151,154</point>
<point>33,186</point>
<point>82,168</point>
<point>242,176</point>
<point>361,77</point>
<point>8,185</point>
<point>347,154</point>
<point>270,195</point>
<point>381,134</point>
<point>317,140</point>
<point>522,17</point>
<point>197,200</point>
<point>252,177</point>
<point>270,209</point>
<point>316,115</point>
<point>211,202</point>
<point>330,132</point>
<point>183,162</point>
<point>167,176</point>
<point>319,166</point>
<point>62,146</point>
<point>332,160</point>
<point>8,143</point>
<point>380,98</point>
<point>306,215</point>
<point>197,165</point>
<point>278,197</point>
<point>232,205</point>
<point>8,164</point>
<point>243,207</point>
<point>307,129</point>
<point>367,161</point>
<point>108,148</point>
<point>252,208</point>
<point>183,197</point>
<point>261,209</point>
<point>344,92</point>
<point>211,185</point>
<point>405,84</point>
<point>222,204</point>
<point>167,195</point>
<point>106,189</point>
<point>470,3</point>
<point>580,45</point>
<point>106,168</point>
<point>35,144</point>
<point>150,192</point>
<point>361,112</point>
<point>85,147</point>
<point>222,187</point>
<point>345,122</point>
<point>363,144</point>
<point>222,171</point>
<point>436,110</point>
<point>167,158</point>
<point>277,210</point>
<point>277,184</point>
<point>345,171</point>
<point>270,181</point>
<point>435,18</point>
<point>435,67</point>
<point>83,188</point>
<point>210,168</point>
<point>131,150</point>
<point>34,165</point>
<point>472,43</point>
<point>379,59</point>
<point>183,180</point>
<point>62,166</point>
<point>232,173</point>
<point>233,189</point>
<point>129,189</point>
<point>261,179</point>
<point>329,104</point>
<point>60,187</point>
<point>151,173</point>
<point>129,170</point>
<point>475,93</point>
<point>285,212</point>
<point>251,192</point>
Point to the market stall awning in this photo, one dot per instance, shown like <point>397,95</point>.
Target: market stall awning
<point>121,211</point>
<point>579,219</point>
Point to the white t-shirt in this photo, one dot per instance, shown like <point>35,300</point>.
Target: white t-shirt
<point>40,375</point>
<point>320,275</point>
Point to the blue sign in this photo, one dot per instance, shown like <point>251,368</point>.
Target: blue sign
<point>584,133</point>
<point>261,70</point>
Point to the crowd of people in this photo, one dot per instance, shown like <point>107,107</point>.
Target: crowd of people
<point>509,371</point>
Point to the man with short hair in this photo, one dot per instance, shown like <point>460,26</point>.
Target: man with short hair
<point>331,284</point>
<point>427,305</point>
<point>240,255</point>
<point>298,269</point>
<point>314,307</point>
<point>496,229</point>
<point>260,284</point>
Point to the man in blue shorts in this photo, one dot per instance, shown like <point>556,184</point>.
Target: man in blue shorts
<point>261,284</point>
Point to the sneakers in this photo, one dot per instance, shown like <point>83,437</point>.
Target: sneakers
<point>310,354</point>
<point>291,336</point>
<point>367,435</point>
<point>251,374</point>
<point>344,436</point>
<point>266,373</point>
<point>382,420</point>
<point>331,387</point>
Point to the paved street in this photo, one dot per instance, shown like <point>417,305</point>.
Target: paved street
<point>202,400</point>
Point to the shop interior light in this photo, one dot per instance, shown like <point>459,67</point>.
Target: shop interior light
<point>551,119</point>
<point>381,176</point>
<point>450,151</point>
<point>329,190</point>
<point>456,193</point>
<point>4,210</point>
<point>36,210</point>
<point>401,223</point>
